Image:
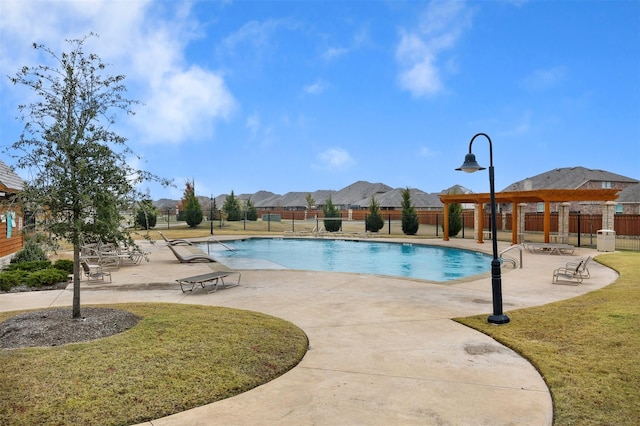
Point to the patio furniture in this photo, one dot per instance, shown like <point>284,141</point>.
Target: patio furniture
<point>214,277</point>
<point>191,257</point>
<point>566,275</point>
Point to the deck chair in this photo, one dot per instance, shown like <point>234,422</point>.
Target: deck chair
<point>94,271</point>
<point>175,242</point>
<point>566,275</point>
<point>583,269</point>
<point>191,257</point>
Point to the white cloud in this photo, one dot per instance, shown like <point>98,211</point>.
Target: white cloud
<point>419,51</point>
<point>184,105</point>
<point>334,52</point>
<point>316,88</point>
<point>334,159</point>
<point>425,151</point>
<point>137,39</point>
<point>543,79</point>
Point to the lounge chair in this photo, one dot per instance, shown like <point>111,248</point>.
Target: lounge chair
<point>584,271</point>
<point>216,278</point>
<point>94,271</point>
<point>192,257</point>
<point>566,275</point>
<point>175,242</point>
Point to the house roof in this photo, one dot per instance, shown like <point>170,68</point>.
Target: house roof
<point>9,180</point>
<point>393,199</point>
<point>631,194</point>
<point>358,191</point>
<point>566,178</point>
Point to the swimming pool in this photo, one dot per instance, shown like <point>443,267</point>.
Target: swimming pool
<point>404,260</point>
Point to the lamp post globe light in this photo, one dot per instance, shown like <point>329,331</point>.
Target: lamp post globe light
<point>470,165</point>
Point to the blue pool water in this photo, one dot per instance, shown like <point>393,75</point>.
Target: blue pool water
<point>404,260</point>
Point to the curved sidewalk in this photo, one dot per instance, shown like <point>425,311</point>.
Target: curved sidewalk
<point>382,350</point>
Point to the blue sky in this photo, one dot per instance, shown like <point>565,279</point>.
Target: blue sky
<point>307,95</point>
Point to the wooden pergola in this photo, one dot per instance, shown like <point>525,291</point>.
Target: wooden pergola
<point>546,196</point>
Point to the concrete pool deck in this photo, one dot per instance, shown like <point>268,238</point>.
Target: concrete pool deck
<point>382,350</point>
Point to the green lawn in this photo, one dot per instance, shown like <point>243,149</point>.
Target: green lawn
<point>586,348</point>
<point>176,358</point>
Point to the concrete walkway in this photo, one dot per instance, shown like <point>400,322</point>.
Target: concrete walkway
<point>382,350</point>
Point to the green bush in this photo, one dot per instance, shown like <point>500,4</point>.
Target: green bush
<point>30,251</point>
<point>64,265</point>
<point>47,276</point>
<point>330,210</point>
<point>29,266</point>
<point>10,279</point>
<point>410,222</point>
<point>455,219</point>
<point>147,215</point>
<point>374,221</point>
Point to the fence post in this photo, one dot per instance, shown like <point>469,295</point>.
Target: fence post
<point>578,228</point>
<point>389,223</point>
<point>436,224</point>
<point>293,220</point>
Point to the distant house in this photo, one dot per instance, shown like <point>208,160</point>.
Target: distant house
<point>11,216</point>
<point>579,178</point>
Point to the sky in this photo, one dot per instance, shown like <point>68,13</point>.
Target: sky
<point>283,96</point>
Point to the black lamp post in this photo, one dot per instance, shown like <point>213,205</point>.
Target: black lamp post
<point>211,213</point>
<point>471,165</point>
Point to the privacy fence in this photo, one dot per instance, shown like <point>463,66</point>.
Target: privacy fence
<point>583,228</point>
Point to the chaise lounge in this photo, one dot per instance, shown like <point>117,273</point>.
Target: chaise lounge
<point>176,241</point>
<point>191,257</point>
<point>570,275</point>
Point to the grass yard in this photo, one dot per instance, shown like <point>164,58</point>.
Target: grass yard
<point>176,358</point>
<point>586,348</point>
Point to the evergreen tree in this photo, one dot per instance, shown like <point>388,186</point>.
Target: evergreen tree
<point>374,220</point>
<point>192,210</point>
<point>455,219</point>
<point>232,208</point>
<point>252,213</point>
<point>330,210</point>
<point>147,214</point>
<point>410,221</point>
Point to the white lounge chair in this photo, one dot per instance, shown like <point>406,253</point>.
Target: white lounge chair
<point>566,275</point>
<point>94,271</point>
<point>584,271</point>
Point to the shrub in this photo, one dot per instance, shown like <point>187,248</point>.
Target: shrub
<point>410,222</point>
<point>10,279</point>
<point>147,215</point>
<point>30,251</point>
<point>64,265</point>
<point>29,266</point>
<point>47,276</point>
<point>455,219</point>
<point>232,208</point>
<point>252,213</point>
<point>330,210</point>
<point>374,221</point>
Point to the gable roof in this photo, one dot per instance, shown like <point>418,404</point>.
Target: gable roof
<point>354,193</point>
<point>393,199</point>
<point>631,194</point>
<point>9,180</point>
<point>567,178</point>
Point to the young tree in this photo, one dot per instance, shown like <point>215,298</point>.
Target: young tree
<point>232,207</point>
<point>79,168</point>
<point>310,201</point>
<point>147,214</point>
<point>252,213</point>
<point>410,221</point>
<point>374,221</point>
<point>330,210</point>
<point>455,219</point>
<point>192,209</point>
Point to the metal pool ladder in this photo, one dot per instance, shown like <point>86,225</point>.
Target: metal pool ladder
<point>510,259</point>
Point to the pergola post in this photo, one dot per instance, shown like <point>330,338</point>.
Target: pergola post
<point>445,237</point>
<point>547,220</point>
<point>478,222</point>
<point>608,215</point>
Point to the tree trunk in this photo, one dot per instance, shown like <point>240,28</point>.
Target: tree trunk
<point>76,282</point>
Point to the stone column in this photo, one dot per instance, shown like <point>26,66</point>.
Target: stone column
<point>521,225</point>
<point>608,215</point>
<point>563,222</point>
